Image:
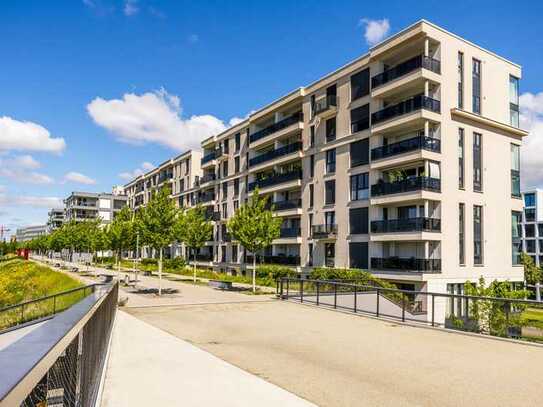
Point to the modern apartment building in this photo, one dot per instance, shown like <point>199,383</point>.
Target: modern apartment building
<point>55,219</point>
<point>30,232</point>
<point>404,162</point>
<point>530,233</point>
<point>81,206</point>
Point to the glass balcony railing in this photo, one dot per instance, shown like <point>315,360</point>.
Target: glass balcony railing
<point>205,198</point>
<point>276,179</point>
<point>406,106</point>
<point>295,118</point>
<point>323,231</point>
<point>406,185</point>
<point>280,259</point>
<point>406,264</point>
<point>419,142</point>
<point>207,178</point>
<point>406,225</point>
<point>324,104</point>
<point>290,232</point>
<point>285,205</point>
<point>208,157</point>
<point>420,61</point>
<point>281,151</point>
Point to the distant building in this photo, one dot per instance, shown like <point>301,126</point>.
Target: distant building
<point>30,232</point>
<point>531,233</point>
<point>55,219</point>
<point>81,206</point>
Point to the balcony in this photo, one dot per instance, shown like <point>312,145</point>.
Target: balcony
<point>284,260</point>
<point>276,179</point>
<point>420,61</point>
<point>207,178</point>
<point>165,177</point>
<point>202,257</point>
<point>290,232</point>
<point>295,118</point>
<point>419,142</point>
<point>406,185</point>
<point>285,205</point>
<point>208,157</point>
<point>406,225</point>
<point>203,198</point>
<point>324,104</point>
<point>406,106</point>
<point>270,155</point>
<point>406,264</point>
<point>324,231</point>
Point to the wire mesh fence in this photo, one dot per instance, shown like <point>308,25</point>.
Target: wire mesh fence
<point>503,317</point>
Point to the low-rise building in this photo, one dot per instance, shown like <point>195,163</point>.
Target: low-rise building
<point>81,206</point>
<point>530,231</point>
<point>27,233</point>
<point>55,219</point>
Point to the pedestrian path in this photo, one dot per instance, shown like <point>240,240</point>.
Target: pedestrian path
<point>149,367</point>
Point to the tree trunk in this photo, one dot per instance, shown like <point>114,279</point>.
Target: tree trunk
<point>254,273</point>
<point>160,273</point>
<point>194,266</point>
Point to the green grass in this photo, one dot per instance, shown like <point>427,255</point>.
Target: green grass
<point>533,317</point>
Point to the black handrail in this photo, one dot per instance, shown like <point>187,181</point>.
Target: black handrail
<point>420,61</point>
<point>270,155</point>
<point>323,230</point>
<point>295,118</point>
<point>419,142</point>
<point>276,179</point>
<point>421,224</point>
<point>406,106</point>
<point>406,185</point>
<point>406,264</point>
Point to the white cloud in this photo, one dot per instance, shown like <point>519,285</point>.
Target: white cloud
<point>531,119</point>
<point>19,168</point>
<point>79,178</point>
<point>33,201</point>
<point>130,175</point>
<point>18,135</point>
<point>375,30</point>
<point>130,7</point>
<point>153,117</point>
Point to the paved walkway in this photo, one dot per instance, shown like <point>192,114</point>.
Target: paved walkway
<point>149,367</point>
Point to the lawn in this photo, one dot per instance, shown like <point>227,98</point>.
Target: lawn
<point>533,317</point>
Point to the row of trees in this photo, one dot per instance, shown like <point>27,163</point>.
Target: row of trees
<point>158,225</point>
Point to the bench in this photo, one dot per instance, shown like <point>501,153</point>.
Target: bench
<point>222,285</point>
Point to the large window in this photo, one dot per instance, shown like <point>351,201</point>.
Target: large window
<point>529,199</point>
<point>529,246</point>
<point>330,129</point>
<point>516,234</point>
<point>529,215</point>
<point>462,233</point>
<point>330,192</point>
<point>477,162</point>
<point>358,221</point>
<point>360,84</point>
<point>312,166</point>
<point>238,141</point>
<point>515,170</point>
<point>311,195</point>
<point>331,161</point>
<point>330,218</point>
<point>360,152</point>
<point>476,83</point>
<point>529,230</point>
<point>477,234</point>
<point>513,101</point>
<point>312,136</point>
<point>360,118</point>
<point>460,64</point>
<point>358,255</point>
<point>461,160</point>
<point>359,186</point>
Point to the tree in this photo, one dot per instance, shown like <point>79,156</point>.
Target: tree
<point>194,230</point>
<point>254,227</point>
<point>158,220</point>
<point>532,273</point>
<point>120,233</point>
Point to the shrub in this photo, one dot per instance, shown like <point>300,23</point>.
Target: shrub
<point>176,263</point>
<point>273,272</point>
<point>149,262</point>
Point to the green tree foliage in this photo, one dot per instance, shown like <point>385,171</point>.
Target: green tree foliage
<point>120,233</point>
<point>254,227</point>
<point>158,220</point>
<point>194,229</point>
<point>532,273</point>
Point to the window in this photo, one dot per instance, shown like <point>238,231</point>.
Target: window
<point>360,84</point>
<point>234,253</point>
<point>236,205</point>
<point>331,161</point>
<point>330,192</point>
<point>226,146</point>
<point>311,195</point>
<point>530,246</point>
<point>310,254</point>
<point>461,158</point>
<point>223,254</point>
<point>540,230</point>
<point>187,166</point>
<point>236,164</point>
<point>312,103</point>
<point>238,141</point>
<point>225,169</point>
<point>360,118</point>
<point>529,199</point>
<point>477,164</point>
<point>360,152</point>
<point>358,221</point>
<point>516,234</point>
<point>529,215</point>
<point>310,223</point>
<point>515,170</point>
<point>460,64</point>
<point>358,255</point>
<point>529,230</point>
<point>330,129</point>
<point>311,166</point>
<point>224,190</point>
<point>312,136</point>
<point>225,210</point>
<point>330,218</point>
<point>476,83</point>
<point>182,185</point>
<point>359,186</point>
<point>513,101</point>
<point>461,233</point>
<point>477,234</point>
<point>236,187</point>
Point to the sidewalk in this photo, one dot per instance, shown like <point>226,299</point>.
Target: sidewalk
<point>148,366</point>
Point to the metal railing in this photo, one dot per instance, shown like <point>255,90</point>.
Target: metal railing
<point>359,125</point>
<point>502,317</point>
<point>276,179</point>
<point>290,232</point>
<point>284,205</point>
<point>420,61</point>
<point>207,178</point>
<point>406,185</point>
<point>406,106</point>
<point>281,151</point>
<point>323,231</point>
<point>406,225</point>
<point>419,142</point>
<point>39,308</point>
<point>410,264</point>
<point>280,125</point>
<point>269,259</point>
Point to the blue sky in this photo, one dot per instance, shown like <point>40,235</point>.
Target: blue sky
<point>128,83</point>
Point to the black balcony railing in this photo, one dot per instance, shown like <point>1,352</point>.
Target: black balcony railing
<point>359,125</point>
<point>276,179</point>
<point>419,142</point>
<point>202,257</point>
<point>205,198</point>
<point>406,225</point>
<point>406,185</point>
<point>406,264</point>
<point>290,232</point>
<point>285,260</point>
<point>406,106</point>
<point>324,104</point>
<point>285,205</point>
<point>295,118</point>
<point>208,157</point>
<point>207,178</point>
<point>420,61</point>
<point>323,231</point>
<point>281,151</point>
